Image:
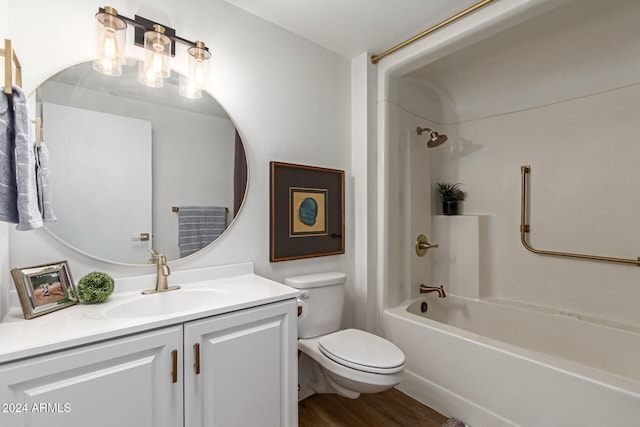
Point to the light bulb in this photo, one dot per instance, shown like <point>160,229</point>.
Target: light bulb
<point>199,75</point>
<point>157,63</point>
<point>110,53</point>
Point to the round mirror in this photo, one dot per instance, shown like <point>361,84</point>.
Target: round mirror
<point>134,168</point>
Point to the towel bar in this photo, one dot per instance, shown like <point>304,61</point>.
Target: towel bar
<point>177,209</point>
<point>10,59</point>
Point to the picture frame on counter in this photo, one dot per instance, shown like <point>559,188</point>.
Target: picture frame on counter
<point>45,288</point>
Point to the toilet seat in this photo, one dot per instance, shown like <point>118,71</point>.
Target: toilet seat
<point>362,351</point>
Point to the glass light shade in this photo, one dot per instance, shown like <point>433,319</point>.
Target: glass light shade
<point>199,64</point>
<point>110,42</point>
<point>148,76</point>
<point>157,56</point>
<point>188,88</point>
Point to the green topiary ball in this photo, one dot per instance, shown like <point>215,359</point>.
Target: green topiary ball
<point>95,287</point>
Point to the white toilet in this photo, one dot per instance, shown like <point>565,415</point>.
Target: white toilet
<point>347,362</point>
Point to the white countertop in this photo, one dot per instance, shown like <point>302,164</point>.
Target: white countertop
<point>232,288</point>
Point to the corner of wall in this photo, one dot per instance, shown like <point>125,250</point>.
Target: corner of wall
<point>363,136</point>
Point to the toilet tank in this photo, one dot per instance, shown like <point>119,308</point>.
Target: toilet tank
<point>322,298</point>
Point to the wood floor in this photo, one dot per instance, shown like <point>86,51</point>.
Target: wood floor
<point>387,409</point>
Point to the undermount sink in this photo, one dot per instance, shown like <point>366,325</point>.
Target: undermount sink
<point>163,303</point>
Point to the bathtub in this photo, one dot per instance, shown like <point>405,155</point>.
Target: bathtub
<point>495,363</point>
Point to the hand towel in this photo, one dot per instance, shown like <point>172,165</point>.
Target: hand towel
<point>8,186</point>
<point>43,183</point>
<point>29,215</point>
<point>199,226</point>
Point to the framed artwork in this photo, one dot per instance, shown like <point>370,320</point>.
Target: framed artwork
<point>307,211</point>
<point>44,288</point>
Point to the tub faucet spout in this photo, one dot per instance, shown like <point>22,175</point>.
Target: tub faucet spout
<point>424,289</point>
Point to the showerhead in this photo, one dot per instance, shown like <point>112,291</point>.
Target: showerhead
<point>436,138</point>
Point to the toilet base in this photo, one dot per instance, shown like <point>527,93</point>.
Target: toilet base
<point>327,376</point>
<point>321,383</point>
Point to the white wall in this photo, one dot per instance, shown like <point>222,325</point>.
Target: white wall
<point>289,99</point>
<point>563,100</point>
<point>363,161</point>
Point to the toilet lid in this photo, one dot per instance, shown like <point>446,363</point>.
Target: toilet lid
<point>363,351</point>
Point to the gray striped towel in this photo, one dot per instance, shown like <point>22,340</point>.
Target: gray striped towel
<point>198,226</point>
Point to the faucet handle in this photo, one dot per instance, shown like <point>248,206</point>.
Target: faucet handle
<point>423,245</point>
<point>166,271</point>
<point>155,255</point>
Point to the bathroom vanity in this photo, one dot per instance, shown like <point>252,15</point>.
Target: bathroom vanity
<point>221,351</point>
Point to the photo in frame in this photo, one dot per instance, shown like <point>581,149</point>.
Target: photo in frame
<point>306,211</point>
<point>45,288</point>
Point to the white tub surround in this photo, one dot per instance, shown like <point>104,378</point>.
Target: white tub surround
<point>197,356</point>
<point>542,367</point>
<point>517,83</point>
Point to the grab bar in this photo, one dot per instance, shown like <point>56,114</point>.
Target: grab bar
<point>526,228</point>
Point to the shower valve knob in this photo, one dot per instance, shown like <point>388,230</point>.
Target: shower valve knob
<point>423,245</point>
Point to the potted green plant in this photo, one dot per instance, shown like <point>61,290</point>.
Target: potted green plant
<point>450,195</point>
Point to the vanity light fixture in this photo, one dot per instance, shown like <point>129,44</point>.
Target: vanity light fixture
<point>159,43</point>
<point>192,84</point>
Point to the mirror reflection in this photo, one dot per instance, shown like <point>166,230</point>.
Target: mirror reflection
<point>134,168</point>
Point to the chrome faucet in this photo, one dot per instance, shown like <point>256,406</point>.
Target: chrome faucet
<point>162,272</point>
<point>424,289</point>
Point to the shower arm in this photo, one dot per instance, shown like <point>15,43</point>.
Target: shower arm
<point>526,228</point>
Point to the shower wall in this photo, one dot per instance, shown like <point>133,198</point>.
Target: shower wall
<point>563,100</point>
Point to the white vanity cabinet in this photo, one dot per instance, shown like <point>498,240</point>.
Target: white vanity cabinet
<point>232,369</point>
<point>241,369</point>
<point>121,382</point>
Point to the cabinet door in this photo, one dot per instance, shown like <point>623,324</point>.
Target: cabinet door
<point>248,371</point>
<point>122,382</point>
